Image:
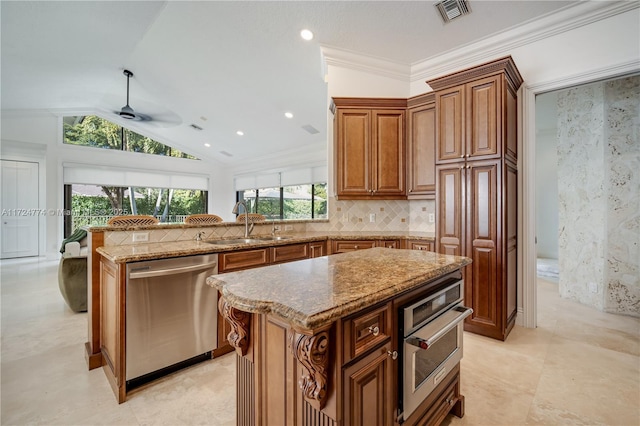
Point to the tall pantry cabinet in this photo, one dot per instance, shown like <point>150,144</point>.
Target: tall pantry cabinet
<point>476,187</point>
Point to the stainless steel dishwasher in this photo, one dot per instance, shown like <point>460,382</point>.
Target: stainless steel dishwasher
<point>171,318</point>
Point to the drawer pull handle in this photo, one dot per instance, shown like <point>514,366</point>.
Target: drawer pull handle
<point>393,355</point>
<point>375,330</point>
<point>449,401</point>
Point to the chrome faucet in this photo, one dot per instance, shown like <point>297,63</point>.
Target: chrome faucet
<point>199,236</point>
<point>247,231</point>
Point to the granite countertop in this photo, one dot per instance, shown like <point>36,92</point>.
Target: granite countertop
<point>312,293</point>
<point>163,250</point>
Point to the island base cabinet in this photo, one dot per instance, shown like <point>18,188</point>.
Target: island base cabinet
<point>368,384</point>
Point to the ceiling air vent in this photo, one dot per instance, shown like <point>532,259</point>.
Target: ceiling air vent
<point>452,9</point>
<point>309,128</point>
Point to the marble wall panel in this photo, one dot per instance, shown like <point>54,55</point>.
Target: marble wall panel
<point>581,194</point>
<point>622,159</point>
<point>599,194</point>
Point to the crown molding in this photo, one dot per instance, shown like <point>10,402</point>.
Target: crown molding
<point>502,44</point>
<point>373,65</point>
<point>604,73</point>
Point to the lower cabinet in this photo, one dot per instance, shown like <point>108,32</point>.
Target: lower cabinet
<point>368,389</point>
<point>317,249</point>
<point>420,245</point>
<point>344,246</point>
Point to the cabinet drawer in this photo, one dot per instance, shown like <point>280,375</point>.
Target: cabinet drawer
<point>388,243</point>
<point>420,245</point>
<point>243,259</point>
<point>344,246</point>
<point>289,252</point>
<point>365,331</point>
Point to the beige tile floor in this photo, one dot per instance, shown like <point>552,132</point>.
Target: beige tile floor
<point>579,367</point>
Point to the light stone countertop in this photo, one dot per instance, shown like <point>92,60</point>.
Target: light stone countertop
<point>312,293</point>
<point>150,251</point>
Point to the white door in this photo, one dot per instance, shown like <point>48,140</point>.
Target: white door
<point>19,206</point>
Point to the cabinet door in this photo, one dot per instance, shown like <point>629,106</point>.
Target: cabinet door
<point>422,152</point>
<point>450,124</point>
<point>388,153</point>
<point>368,389</point>
<point>482,289</point>
<point>483,118</point>
<point>353,151</point>
<point>450,206</point>
<point>317,249</point>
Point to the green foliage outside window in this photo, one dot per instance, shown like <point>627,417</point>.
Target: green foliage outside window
<point>94,131</point>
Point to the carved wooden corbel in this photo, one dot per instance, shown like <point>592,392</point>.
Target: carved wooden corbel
<point>313,353</point>
<point>239,320</point>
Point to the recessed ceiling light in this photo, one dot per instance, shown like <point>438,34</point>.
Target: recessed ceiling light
<point>288,115</point>
<point>306,34</point>
<point>240,133</point>
<point>208,145</point>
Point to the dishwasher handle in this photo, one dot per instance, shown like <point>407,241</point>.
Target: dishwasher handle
<point>169,271</point>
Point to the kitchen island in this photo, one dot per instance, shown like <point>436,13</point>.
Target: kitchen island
<point>317,340</point>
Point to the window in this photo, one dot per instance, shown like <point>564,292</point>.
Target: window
<point>287,202</point>
<point>90,130</point>
<point>95,205</point>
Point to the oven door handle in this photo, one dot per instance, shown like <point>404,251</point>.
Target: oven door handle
<point>426,343</point>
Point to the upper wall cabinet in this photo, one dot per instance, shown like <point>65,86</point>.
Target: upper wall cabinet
<point>421,134</point>
<point>370,148</point>
<point>470,115</point>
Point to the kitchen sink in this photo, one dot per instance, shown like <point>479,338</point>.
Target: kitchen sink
<point>235,241</point>
<point>248,240</point>
<point>274,238</point>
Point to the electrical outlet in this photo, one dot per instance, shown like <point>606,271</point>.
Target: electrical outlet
<point>345,217</point>
<point>432,217</point>
<point>140,237</point>
<point>288,227</point>
<point>593,287</point>
<point>372,217</point>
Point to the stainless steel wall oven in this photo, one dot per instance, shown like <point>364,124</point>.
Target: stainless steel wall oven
<point>432,341</point>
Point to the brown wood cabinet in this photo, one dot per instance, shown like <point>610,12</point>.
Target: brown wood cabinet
<point>243,259</point>
<point>370,148</point>
<point>476,181</point>
<point>289,253</point>
<point>344,246</point>
<point>419,245</point>
<point>112,332</point>
<point>368,389</point>
<point>317,249</point>
<point>421,142</point>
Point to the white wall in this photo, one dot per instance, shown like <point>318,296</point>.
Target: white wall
<point>39,136</point>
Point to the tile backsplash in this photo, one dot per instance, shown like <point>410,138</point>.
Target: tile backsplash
<point>344,216</point>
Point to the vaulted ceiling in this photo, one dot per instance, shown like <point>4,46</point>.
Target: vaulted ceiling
<point>224,66</point>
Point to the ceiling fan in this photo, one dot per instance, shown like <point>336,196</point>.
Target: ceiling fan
<point>126,111</point>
